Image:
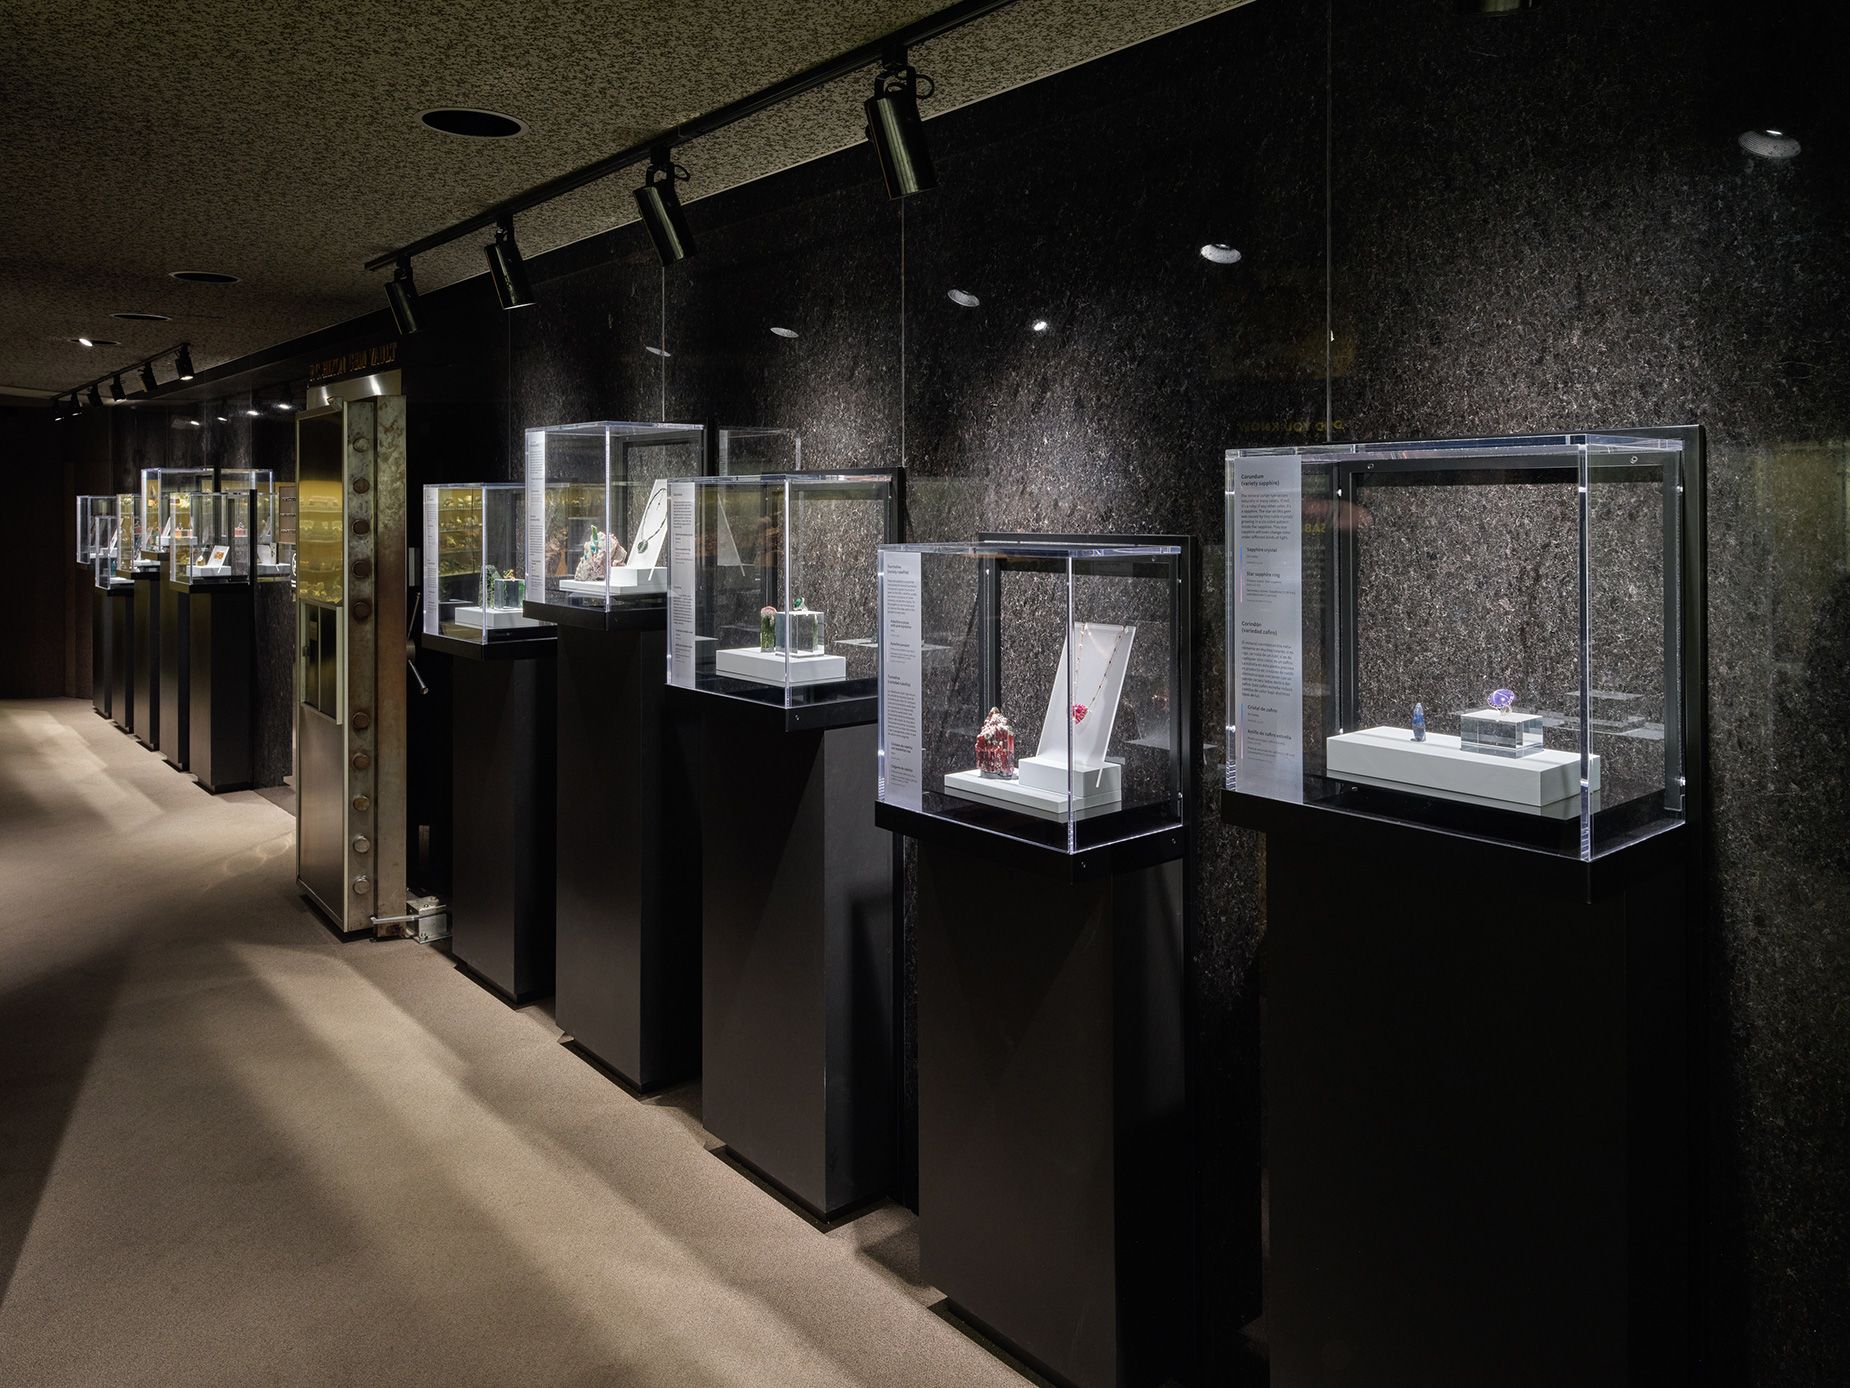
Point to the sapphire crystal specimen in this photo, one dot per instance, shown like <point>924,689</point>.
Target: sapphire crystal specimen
<point>1502,700</point>
<point>1419,723</point>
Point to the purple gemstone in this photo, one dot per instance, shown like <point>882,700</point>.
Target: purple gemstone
<point>1502,700</point>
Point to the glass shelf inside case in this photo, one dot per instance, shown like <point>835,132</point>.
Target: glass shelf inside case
<point>773,586</point>
<point>1035,688</point>
<point>1480,636</point>
<point>211,539</point>
<point>597,510</point>
<point>475,585</point>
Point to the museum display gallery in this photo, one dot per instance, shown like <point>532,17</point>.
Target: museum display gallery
<point>1112,699</point>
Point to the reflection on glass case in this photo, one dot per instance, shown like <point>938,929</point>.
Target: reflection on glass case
<point>1035,688</point>
<point>162,510</point>
<point>1481,635</point>
<point>597,510</point>
<point>211,538</point>
<point>775,603</point>
<point>96,526</point>
<point>474,562</point>
<point>274,556</point>
<point>747,451</point>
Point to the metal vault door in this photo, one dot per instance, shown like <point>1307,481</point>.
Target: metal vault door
<point>350,662</point>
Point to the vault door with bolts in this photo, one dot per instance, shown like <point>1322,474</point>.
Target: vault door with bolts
<point>350,663</point>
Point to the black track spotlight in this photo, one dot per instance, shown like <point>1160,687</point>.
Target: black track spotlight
<point>116,397</point>
<point>896,132</point>
<point>147,377</point>
<point>183,364</point>
<point>661,209</point>
<point>507,269</point>
<point>401,292</point>
<point>96,397</point>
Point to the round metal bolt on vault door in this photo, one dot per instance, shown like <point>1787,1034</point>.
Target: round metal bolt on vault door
<point>361,486</point>
<point>362,844</point>
<point>361,804</point>
<point>361,886</point>
<point>361,761</point>
<point>362,719</point>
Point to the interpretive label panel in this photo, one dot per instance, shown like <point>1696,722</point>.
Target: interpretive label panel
<point>681,584</point>
<point>1267,631</point>
<point>901,679</point>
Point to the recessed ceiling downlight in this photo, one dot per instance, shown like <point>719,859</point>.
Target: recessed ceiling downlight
<point>963,298</point>
<point>1220,253</point>
<point>201,277</point>
<point>1769,144</point>
<point>785,332</point>
<point>143,317</point>
<point>471,124</point>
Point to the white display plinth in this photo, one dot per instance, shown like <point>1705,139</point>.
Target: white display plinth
<point>622,580</point>
<point>1042,804</point>
<point>211,571</point>
<point>495,618</point>
<point>1439,766</point>
<point>1043,772</point>
<point>772,667</point>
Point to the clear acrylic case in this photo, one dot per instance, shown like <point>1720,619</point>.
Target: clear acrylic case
<point>1036,688</point>
<point>161,508</point>
<point>210,542</point>
<point>124,556</point>
<point>750,451</point>
<point>773,585</point>
<point>597,510</point>
<point>475,544</point>
<point>96,526</point>
<point>1482,636</point>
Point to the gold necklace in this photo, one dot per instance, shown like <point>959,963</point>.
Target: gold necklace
<point>1079,711</point>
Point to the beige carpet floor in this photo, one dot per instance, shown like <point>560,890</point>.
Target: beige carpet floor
<point>236,1151</point>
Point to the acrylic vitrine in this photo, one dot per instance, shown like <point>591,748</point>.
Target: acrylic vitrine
<point>752,450</point>
<point>597,510</point>
<point>1482,636</point>
<point>773,585</point>
<point>1036,688</point>
<point>211,538</point>
<point>475,545</point>
<point>163,504</point>
<point>96,526</point>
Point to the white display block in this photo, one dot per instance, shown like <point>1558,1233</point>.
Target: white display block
<point>1439,766</point>
<point>1044,772</point>
<point>1104,655</point>
<point>771,667</point>
<point>622,580</point>
<point>495,618</point>
<point>1043,804</point>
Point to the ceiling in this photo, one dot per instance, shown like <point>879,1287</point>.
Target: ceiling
<point>281,143</point>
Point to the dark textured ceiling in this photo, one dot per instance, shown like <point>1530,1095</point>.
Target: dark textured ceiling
<point>280,143</point>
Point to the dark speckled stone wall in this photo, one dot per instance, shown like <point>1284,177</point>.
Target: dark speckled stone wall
<point>1534,223</point>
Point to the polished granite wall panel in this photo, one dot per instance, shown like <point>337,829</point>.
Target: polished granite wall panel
<point>1545,223</point>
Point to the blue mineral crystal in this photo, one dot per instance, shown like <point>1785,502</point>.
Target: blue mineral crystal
<point>1419,723</point>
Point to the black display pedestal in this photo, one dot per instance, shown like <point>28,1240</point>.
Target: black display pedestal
<point>145,706</point>
<point>797,1004</point>
<point>1053,1153</point>
<point>1477,1090</point>
<point>628,971</point>
<point>502,759</point>
<point>100,651</point>
<point>119,605</point>
<point>176,666</point>
<point>220,625</point>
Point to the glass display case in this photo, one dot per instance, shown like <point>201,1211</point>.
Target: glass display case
<point>124,554</point>
<point>96,526</point>
<point>597,510</point>
<point>1482,636</point>
<point>1089,633</point>
<point>163,507</point>
<point>108,564</point>
<point>749,451</point>
<point>773,584</point>
<point>475,562</point>
<point>211,540</point>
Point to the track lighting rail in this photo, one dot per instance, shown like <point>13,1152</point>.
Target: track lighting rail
<point>878,52</point>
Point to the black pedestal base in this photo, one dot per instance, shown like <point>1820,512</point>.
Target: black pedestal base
<point>501,899</point>
<point>1053,1207</point>
<point>100,649</point>
<point>628,987</point>
<point>221,670</point>
<point>145,701</point>
<point>1476,1090</point>
<point>797,960</point>
<point>119,616</point>
<point>176,668</point>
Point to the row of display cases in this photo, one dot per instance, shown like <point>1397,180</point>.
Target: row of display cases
<point>1479,636</point>
<point>191,525</point>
